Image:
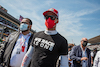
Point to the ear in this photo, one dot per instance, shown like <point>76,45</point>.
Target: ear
<point>56,21</point>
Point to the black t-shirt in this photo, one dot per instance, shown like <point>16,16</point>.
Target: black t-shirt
<point>47,49</point>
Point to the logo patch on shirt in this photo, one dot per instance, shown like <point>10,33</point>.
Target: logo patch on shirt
<point>44,43</point>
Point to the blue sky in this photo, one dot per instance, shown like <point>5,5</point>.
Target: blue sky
<point>77,18</point>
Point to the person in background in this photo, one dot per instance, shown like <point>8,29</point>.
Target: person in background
<point>93,54</point>
<point>17,44</point>
<point>97,60</point>
<point>48,45</point>
<point>69,51</point>
<point>81,55</point>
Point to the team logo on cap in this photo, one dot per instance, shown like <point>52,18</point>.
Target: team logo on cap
<point>51,9</point>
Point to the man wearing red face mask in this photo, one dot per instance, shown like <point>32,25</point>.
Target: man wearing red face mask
<point>48,45</point>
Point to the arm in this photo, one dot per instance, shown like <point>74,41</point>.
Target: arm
<point>96,60</point>
<point>64,61</point>
<point>73,54</point>
<point>27,57</point>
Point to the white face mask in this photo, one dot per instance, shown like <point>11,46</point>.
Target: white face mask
<point>23,27</point>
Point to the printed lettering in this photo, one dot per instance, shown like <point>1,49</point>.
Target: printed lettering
<point>44,43</point>
<point>37,40</point>
<point>46,46</point>
<point>51,46</point>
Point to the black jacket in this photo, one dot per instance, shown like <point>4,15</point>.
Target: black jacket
<point>9,45</point>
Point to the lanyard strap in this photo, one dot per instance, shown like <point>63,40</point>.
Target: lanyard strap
<point>24,41</point>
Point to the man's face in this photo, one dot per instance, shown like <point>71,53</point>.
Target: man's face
<point>84,40</point>
<point>26,21</point>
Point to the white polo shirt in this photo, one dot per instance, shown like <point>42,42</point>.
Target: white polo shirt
<point>16,58</point>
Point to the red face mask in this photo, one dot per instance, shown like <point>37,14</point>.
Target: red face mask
<point>49,23</point>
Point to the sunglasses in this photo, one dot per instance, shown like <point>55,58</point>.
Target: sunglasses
<point>51,16</point>
<point>85,41</point>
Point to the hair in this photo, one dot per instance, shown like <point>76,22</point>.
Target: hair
<point>30,22</point>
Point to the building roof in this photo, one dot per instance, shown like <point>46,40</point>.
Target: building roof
<point>9,16</point>
<point>12,18</point>
<point>94,39</point>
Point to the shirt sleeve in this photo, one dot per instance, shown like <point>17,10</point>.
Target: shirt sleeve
<point>64,48</point>
<point>64,61</point>
<point>27,57</point>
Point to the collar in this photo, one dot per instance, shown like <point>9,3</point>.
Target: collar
<point>26,35</point>
<point>50,32</point>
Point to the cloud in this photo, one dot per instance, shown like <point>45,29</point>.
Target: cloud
<point>69,24</point>
<point>86,12</point>
<point>71,21</point>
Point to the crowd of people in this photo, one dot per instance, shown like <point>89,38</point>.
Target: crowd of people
<point>46,48</point>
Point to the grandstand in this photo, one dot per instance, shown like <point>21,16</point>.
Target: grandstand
<point>8,23</point>
<point>94,42</point>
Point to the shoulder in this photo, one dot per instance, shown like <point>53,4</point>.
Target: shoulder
<point>88,49</point>
<point>14,33</point>
<point>61,37</point>
<point>76,47</point>
<point>12,36</point>
<point>98,52</point>
<point>40,32</point>
<point>32,34</point>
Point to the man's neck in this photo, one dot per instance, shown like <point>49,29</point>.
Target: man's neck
<point>51,29</point>
<point>25,32</point>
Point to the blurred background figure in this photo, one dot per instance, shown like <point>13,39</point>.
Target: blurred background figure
<point>81,55</point>
<point>93,54</point>
<point>69,51</point>
<point>97,60</point>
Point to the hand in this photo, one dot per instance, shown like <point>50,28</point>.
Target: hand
<point>69,59</point>
<point>84,58</point>
<point>92,63</point>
